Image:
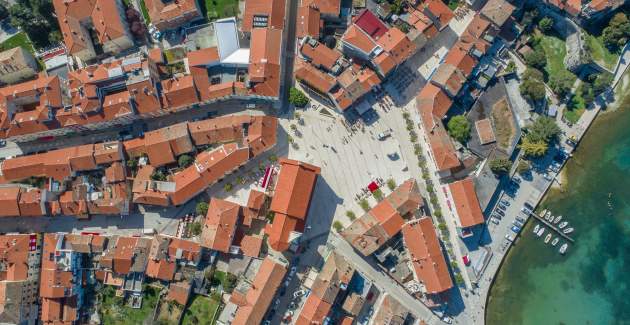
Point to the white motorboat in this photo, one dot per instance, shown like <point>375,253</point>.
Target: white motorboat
<point>568,230</point>
<point>563,248</point>
<point>536,228</point>
<point>543,213</point>
<point>563,224</point>
<point>540,232</point>
<point>557,219</point>
<point>548,238</point>
<point>548,215</point>
<point>555,241</point>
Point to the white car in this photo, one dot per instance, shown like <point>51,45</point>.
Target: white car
<point>383,135</point>
<point>299,293</point>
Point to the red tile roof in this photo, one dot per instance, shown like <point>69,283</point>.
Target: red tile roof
<point>165,14</point>
<point>358,39</point>
<point>427,260</point>
<point>257,11</point>
<point>320,55</point>
<point>259,296</point>
<point>438,11</point>
<point>251,245</point>
<point>294,188</point>
<point>466,203</point>
<point>308,22</point>
<point>264,61</point>
<point>314,78</point>
<point>370,24</point>
<point>326,7</point>
<point>220,224</point>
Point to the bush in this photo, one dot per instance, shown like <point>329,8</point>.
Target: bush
<point>338,226</point>
<point>532,85</point>
<point>561,84</point>
<point>391,184</point>
<point>158,175</point>
<point>459,128</point>
<point>195,228</point>
<point>364,205</point>
<point>536,59</point>
<point>602,82</point>
<point>185,161</point>
<point>201,208</point>
<point>351,215</point>
<point>459,279</point>
<point>534,148</point>
<point>228,187</point>
<point>297,97</point>
<point>544,129</point>
<point>545,24</point>
<point>500,165</point>
<point>378,195</point>
<point>616,35</point>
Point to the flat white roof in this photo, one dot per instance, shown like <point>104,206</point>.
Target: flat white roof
<point>226,32</point>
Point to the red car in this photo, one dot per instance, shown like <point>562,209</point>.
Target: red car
<point>466,260</point>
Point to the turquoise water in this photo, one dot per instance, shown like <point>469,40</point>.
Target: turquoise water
<point>591,284</point>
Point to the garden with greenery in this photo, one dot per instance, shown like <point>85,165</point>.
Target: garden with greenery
<point>202,310</point>
<point>114,311</point>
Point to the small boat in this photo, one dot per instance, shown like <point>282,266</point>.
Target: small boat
<point>548,215</point>
<point>563,248</point>
<point>543,213</point>
<point>557,219</point>
<point>555,241</point>
<point>568,230</point>
<point>563,224</point>
<point>548,238</point>
<point>540,232</point>
<point>536,228</point>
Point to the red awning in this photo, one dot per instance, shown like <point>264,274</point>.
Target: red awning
<point>373,187</point>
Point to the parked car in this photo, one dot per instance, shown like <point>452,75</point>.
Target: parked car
<point>299,293</point>
<point>506,202</point>
<point>494,220</point>
<point>383,135</point>
<point>520,219</point>
<point>516,229</point>
<point>501,213</point>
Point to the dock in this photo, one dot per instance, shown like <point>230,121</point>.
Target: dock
<point>553,227</point>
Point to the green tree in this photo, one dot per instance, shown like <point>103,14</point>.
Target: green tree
<point>534,149</point>
<point>536,59</point>
<point>500,165</point>
<point>544,129</point>
<point>338,226</point>
<point>201,208</point>
<point>616,34</point>
<point>459,128</point>
<point>35,18</point>
<point>351,215</point>
<point>195,228</point>
<point>364,205</point>
<point>523,166</point>
<point>158,175</point>
<point>185,161</point>
<point>602,82</point>
<point>297,97</point>
<point>546,24</point>
<point>391,184</point>
<point>532,85</point>
<point>561,84</point>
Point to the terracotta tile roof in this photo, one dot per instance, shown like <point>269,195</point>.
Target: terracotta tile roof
<point>221,221</point>
<point>188,250</point>
<point>9,197</point>
<point>358,39</point>
<point>459,57</point>
<point>314,311</point>
<point>387,217</point>
<point>73,14</point>
<point>179,291</point>
<point>263,13</point>
<point>258,298</point>
<point>294,188</point>
<point>342,99</point>
<point>14,251</point>
<point>437,11</point>
<point>116,172</point>
<point>319,54</point>
<point>426,256</point>
<point>179,92</point>
<point>316,79</point>
<point>165,14</point>
<point>370,24</point>
<point>466,203</point>
<point>485,131</point>
<point>251,245</point>
<point>326,7</point>
<point>385,62</point>
<point>383,221</point>
<point>280,231</point>
<point>163,145</point>
<point>203,57</point>
<point>264,61</point>
<point>31,203</point>
<point>497,11</point>
<point>308,22</point>
<point>334,276</point>
<point>353,304</point>
<point>442,148</point>
<point>449,78</point>
<point>432,103</point>
<point>108,152</point>
<point>161,269</point>
<point>390,312</point>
